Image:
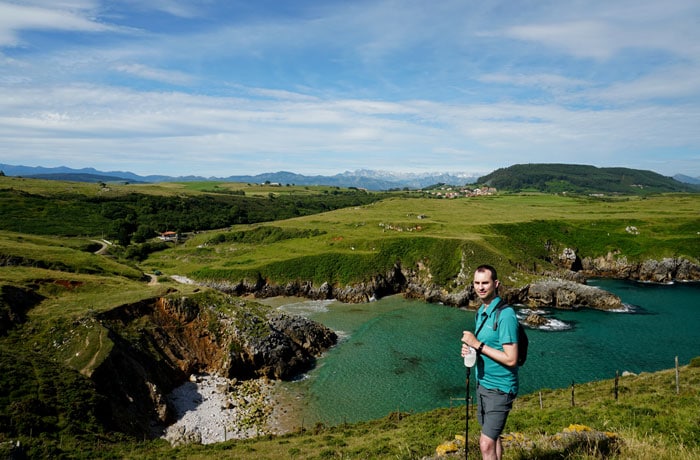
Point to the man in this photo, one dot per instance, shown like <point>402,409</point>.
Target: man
<point>497,369</point>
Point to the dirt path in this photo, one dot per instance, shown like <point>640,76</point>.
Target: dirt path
<point>103,249</point>
<point>87,370</point>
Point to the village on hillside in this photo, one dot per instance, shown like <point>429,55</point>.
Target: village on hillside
<point>450,192</point>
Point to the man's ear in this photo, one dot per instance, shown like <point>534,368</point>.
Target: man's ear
<point>497,284</point>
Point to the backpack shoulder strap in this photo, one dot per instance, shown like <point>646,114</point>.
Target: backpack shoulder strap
<point>500,306</point>
<point>481,326</point>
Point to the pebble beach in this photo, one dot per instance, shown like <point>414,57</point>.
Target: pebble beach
<point>212,409</point>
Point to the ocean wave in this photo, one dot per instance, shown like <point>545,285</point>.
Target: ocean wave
<point>626,308</point>
<point>307,307</point>
<point>342,335</point>
<point>301,377</point>
<point>523,313</point>
<point>553,324</point>
<point>660,283</point>
<point>550,323</point>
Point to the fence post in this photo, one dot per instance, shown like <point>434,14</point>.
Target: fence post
<point>573,403</point>
<point>540,400</point>
<point>678,385</point>
<point>617,380</point>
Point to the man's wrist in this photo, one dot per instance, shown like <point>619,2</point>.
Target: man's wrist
<point>481,347</point>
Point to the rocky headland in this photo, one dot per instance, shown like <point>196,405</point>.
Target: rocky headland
<point>150,350</point>
<point>564,288</point>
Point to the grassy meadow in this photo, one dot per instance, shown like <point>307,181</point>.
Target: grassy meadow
<point>647,421</point>
<point>510,231</point>
<point>52,232</point>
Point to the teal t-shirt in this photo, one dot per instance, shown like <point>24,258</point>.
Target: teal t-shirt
<point>492,374</point>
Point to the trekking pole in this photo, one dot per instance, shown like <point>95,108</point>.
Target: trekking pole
<point>466,431</point>
<point>469,361</point>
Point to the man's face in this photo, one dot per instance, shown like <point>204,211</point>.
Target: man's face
<point>484,286</point>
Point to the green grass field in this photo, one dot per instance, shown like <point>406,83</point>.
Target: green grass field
<point>342,246</point>
<point>648,420</point>
<point>499,229</point>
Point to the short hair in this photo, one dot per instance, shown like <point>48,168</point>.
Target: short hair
<point>487,268</point>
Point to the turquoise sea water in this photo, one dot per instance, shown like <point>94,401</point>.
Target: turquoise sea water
<point>398,354</point>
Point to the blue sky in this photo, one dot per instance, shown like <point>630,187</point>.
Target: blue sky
<point>217,88</point>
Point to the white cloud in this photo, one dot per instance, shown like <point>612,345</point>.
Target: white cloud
<point>400,85</point>
<point>150,73</point>
<point>602,30</point>
<point>548,81</point>
<point>15,18</point>
<point>280,94</point>
<point>581,38</point>
<point>134,126</point>
<point>179,8</point>
<point>679,83</point>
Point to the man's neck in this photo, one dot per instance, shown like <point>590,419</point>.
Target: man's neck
<point>487,302</point>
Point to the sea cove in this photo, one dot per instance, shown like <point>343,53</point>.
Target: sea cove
<point>398,354</point>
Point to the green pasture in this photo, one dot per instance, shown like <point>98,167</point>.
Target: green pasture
<point>514,232</point>
<point>49,187</point>
<point>128,213</point>
<point>62,254</point>
<point>72,295</point>
<point>72,279</point>
<point>43,358</point>
<point>53,187</point>
<point>253,189</point>
<point>511,231</point>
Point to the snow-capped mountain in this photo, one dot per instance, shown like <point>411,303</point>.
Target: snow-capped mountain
<point>363,178</point>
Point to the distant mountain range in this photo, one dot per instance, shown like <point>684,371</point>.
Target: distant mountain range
<point>366,179</point>
<point>543,177</point>
<point>687,179</point>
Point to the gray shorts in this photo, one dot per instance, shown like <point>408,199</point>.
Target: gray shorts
<point>493,407</point>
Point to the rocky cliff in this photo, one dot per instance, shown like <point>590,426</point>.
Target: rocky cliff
<point>656,271</point>
<point>153,346</point>
<point>564,288</point>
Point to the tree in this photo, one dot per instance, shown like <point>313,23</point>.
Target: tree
<point>143,233</point>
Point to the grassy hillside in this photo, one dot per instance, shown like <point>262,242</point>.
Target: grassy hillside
<point>648,421</point>
<point>135,213</point>
<point>51,231</point>
<point>581,179</point>
<point>510,231</point>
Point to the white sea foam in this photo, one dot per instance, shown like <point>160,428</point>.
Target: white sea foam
<point>553,324</point>
<point>307,307</point>
<point>525,312</point>
<point>342,335</point>
<point>626,308</point>
<point>550,324</point>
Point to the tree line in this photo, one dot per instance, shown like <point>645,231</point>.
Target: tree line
<point>138,217</point>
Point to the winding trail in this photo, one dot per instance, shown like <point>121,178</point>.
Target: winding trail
<point>103,248</point>
<point>87,369</point>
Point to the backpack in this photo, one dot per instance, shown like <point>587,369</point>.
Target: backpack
<point>523,341</point>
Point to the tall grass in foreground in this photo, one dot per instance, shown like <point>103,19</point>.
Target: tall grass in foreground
<point>650,419</point>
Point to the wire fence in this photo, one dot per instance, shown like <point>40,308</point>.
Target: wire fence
<point>616,391</point>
